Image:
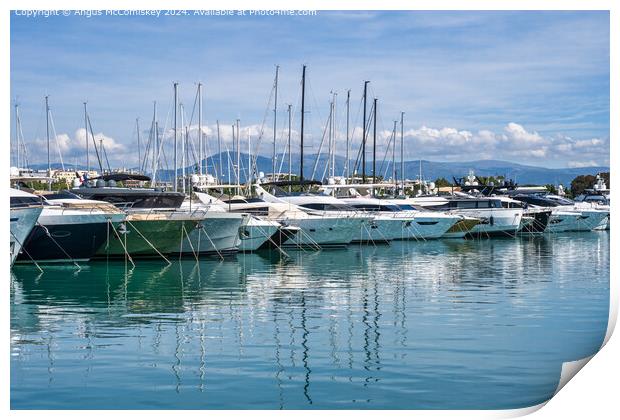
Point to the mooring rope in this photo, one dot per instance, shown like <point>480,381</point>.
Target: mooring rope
<point>149,242</point>
<point>26,252</point>
<point>58,245</point>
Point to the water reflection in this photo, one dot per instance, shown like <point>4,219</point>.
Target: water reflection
<point>436,324</point>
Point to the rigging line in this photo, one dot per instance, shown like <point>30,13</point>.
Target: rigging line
<point>316,160</point>
<point>359,152</point>
<point>262,129</point>
<point>285,129</point>
<point>147,150</point>
<point>92,133</point>
<point>105,154</point>
<point>387,149</point>
<point>62,164</point>
<point>23,143</point>
<point>160,150</point>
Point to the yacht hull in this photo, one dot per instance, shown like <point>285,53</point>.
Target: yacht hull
<point>323,232</point>
<point>495,222</point>
<point>217,232</point>
<point>146,238</point>
<point>381,229</point>
<point>461,228</point>
<point>23,220</point>
<point>63,242</point>
<point>429,226</point>
<point>578,221</point>
<point>255,234</point>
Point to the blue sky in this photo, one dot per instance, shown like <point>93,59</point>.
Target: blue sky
<point>529,87</point>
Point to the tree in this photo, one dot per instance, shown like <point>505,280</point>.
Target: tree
<point>442,182</point>
<point>580,183</point>
<point>551,188</point>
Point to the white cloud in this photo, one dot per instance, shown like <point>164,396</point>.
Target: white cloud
<point>582,164</point>
<point>516,132</point>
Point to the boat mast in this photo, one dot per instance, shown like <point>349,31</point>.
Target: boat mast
<point>219,149</point>
<point>333,126</point>
<point>176,180</point>
<point>86,137</point>
<point>374,141</point>
<point>275,113</point>
<point>47,127</point>
<point>17,132</point>
<point>394,155</point>
<point>402,154</point>
<point>138,131</point>
<point>330,137</point>
<point>364,135</point>
<point>347,152</point>
<point>290,175</point>
<point>238,158</point>
<point>231,161</point>
<point>200,155</point>
<point>183,140</point>
<point>155,145</point>
<point>303,110</point>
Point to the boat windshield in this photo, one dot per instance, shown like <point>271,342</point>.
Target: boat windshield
<point>377,207</point>
<point>327,206</point>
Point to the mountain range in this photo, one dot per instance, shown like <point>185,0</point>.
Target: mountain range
<point>521,174</point>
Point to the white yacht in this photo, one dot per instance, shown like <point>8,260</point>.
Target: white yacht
<point>567,216</point>
<point>223,231</point>
<point>496,218</point>
<point>371,227</point>
<point>298,227</point>
<point>70,229</point>
<point>25,211</point>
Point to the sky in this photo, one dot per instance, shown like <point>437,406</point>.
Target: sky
<point>527,87</point>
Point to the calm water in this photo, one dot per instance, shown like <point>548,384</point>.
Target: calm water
<point>437,324</point>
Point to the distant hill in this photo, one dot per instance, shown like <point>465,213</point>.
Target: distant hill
<point>522,174</point>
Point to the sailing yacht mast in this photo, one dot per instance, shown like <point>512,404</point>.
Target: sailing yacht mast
<point>303,110</point>
<point>86,137</point>
<point>200,155</point>
<point>138,132</point>
<point>330,138</point>
<point>176,180</point>
<point>394,154</point>
<point>155,144</point>
<point>364,135</point>
<point>238,158</point>
<point>347,152</point>
<point>402,154</point>
<point>219,149</point>
<point>47,127</point>
<point>374,141</point>
<point>290,175</point>
<point>17,132</point>
<point>183,140</point>
<point>275,113</point>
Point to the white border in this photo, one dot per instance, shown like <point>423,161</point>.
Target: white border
<point>593,394</point>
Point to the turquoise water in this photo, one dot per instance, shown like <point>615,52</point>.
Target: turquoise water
<point>479,324</point>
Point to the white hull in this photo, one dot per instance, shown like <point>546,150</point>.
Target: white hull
<point>215,232</point>
<point>322,231</point>
<point>495,221</point>
<point>381,229</point>
<point>23,220</point>
<point>255,233</point>
<point>576,221</point>
<point>427,225</point>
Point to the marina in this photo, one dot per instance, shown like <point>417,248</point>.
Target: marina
<point>331,210</point>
